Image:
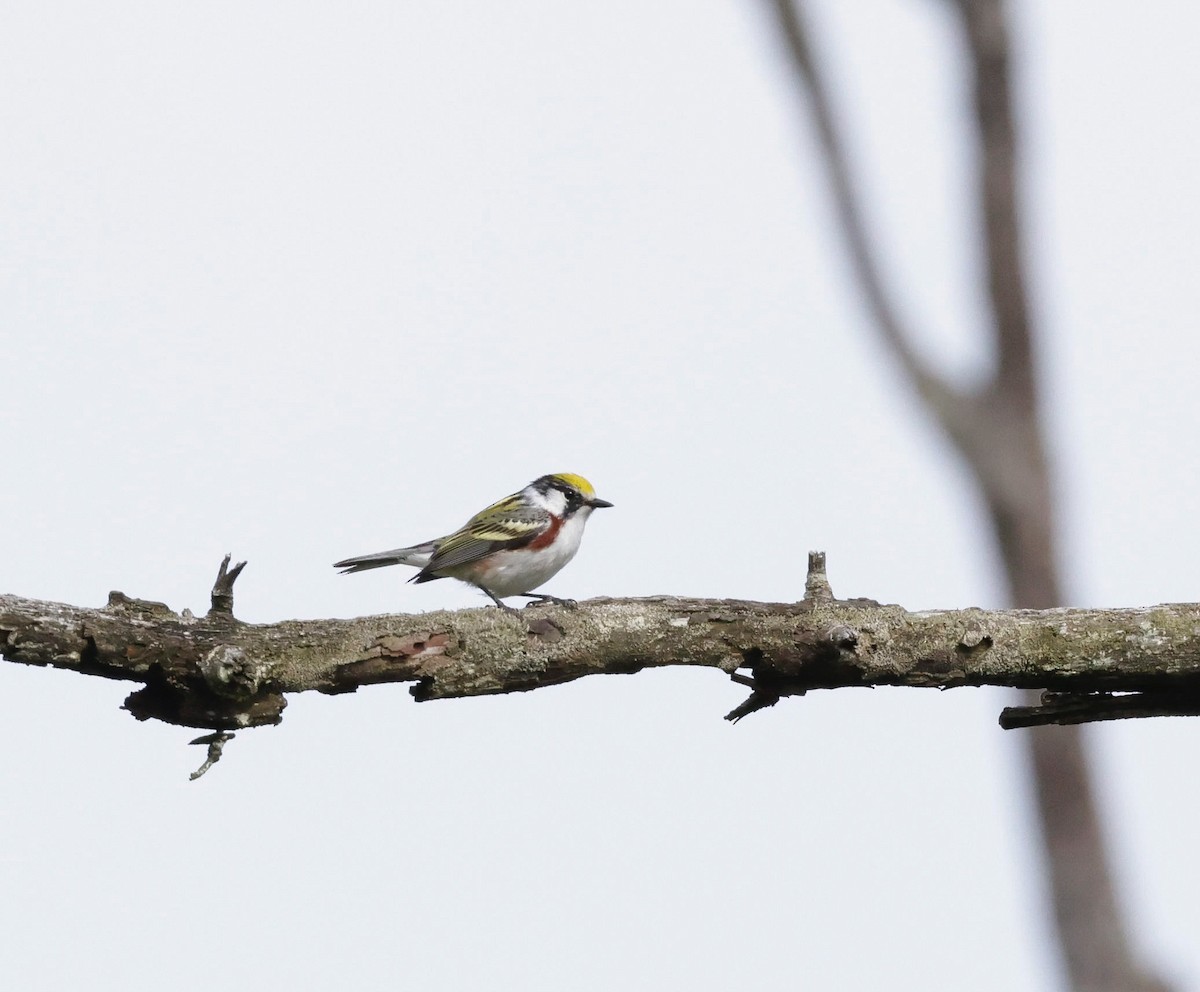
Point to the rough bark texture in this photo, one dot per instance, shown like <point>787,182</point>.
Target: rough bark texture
<point>218,673</point>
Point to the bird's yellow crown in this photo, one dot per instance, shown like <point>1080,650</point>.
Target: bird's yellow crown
<point>578,481</point>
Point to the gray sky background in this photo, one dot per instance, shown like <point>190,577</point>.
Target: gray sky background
<point>305,281</point>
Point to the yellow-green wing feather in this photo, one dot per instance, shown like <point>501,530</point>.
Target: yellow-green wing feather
<point>508,522</point>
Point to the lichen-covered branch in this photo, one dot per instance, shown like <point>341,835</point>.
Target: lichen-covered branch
<point>218,673</point>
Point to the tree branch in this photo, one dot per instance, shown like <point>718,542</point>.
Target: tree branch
<point>944,401</point>
<point>1066,708</point>
<point>218,673</point>
<point>997,429</point>
<point>986,37</point>
<point>222,590</point>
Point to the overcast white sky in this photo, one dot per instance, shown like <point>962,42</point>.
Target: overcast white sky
<point>305,281</point>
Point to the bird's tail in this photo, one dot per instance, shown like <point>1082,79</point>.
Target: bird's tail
<point>418,556</point>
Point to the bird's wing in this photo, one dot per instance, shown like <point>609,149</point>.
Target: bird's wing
<point>507,524</point>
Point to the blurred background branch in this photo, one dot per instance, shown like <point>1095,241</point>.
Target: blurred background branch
<point>998,432</point>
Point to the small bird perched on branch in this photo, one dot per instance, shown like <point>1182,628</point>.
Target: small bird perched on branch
<point>510,548</point>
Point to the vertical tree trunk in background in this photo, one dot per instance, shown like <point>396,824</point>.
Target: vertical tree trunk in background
<point>998,432</point>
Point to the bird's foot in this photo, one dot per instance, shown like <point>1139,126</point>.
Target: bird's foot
<point>540,599</point>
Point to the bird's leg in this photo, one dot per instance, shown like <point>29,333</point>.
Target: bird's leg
<point>502,605</point>
<point>541,599</point>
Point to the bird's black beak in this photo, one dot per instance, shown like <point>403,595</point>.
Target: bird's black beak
<point>598,503</point>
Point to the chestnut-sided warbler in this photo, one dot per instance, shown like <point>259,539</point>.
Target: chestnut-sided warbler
<point>510,548</point>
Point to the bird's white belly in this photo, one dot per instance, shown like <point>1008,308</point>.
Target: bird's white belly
<point>509,573</point>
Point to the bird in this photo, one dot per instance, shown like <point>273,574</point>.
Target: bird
<point>514,546</point>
